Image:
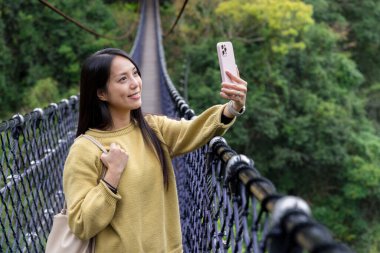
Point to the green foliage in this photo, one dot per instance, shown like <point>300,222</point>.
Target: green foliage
<point>359,34</point>
<point>372,239</point>
<point>6,102</point>
<point>373,103</point>
<point>42,94</point>
<point>280,23</point>
<point>331,213</point>
<point>38,44</point>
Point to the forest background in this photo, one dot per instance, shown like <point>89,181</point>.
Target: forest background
<point>313,114</point>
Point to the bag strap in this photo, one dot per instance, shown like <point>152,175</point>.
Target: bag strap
<point>95,141</point>
<point>99,145</point>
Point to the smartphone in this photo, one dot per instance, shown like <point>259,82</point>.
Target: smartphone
<point>226,59</point>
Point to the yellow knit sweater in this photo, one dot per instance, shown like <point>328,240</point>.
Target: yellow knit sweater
<point>142,216</point>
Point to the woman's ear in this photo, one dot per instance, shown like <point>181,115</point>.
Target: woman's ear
<point>101,94</point>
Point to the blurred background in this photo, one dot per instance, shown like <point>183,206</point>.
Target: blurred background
<point>313,113</point>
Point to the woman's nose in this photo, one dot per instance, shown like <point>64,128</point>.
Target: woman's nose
<point>134,82</point>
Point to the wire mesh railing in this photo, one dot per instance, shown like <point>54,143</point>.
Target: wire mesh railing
<point>228,206</point>
<point>33,150</point>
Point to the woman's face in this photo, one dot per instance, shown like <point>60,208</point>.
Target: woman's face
<point>124,86</point>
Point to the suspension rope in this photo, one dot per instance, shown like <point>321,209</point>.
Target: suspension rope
<point>177,19</point>
<point>77,23</point>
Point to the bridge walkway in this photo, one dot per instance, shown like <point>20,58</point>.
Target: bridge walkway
<point>151,97</point>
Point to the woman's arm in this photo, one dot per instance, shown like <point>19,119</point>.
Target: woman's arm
<point>90,203</point>
<point>182,136</point>
<point>186,135</point>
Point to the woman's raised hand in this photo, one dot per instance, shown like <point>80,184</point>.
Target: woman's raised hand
<point>235,91</point>
<point>115,160</point>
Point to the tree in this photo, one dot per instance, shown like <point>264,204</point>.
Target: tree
<point>279,23</point>
<point>359,34</point>
<point>40,44</point>
<point>7,91</point>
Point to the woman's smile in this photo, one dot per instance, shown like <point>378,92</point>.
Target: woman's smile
<point>136,95</point>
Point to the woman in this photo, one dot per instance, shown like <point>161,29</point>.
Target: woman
<point>133,206</point>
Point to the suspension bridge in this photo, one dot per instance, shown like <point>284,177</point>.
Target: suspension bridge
<point>226,204</point>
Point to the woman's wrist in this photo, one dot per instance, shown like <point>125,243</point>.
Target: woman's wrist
<point>232,110</point>
<point>111,179</point>
<point>236,107</point>
<point>226,113</point>
<point>112,188</point>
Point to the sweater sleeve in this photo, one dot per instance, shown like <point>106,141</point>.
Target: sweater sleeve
<point>183,136</point>
<point>90,204</point>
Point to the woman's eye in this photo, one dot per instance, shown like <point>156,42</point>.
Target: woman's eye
<point>135,73</point>
<point>123,79</point>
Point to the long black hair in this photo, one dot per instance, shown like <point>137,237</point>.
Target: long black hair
<point>94,113</point>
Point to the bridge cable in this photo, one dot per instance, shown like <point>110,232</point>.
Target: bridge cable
<point>77,23</point>
<point>177,19</point>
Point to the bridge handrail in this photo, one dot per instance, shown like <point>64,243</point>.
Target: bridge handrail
<point>182,106</point>
<point>290,216</point>
<point>135,52</point>
<point>19,120</point>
